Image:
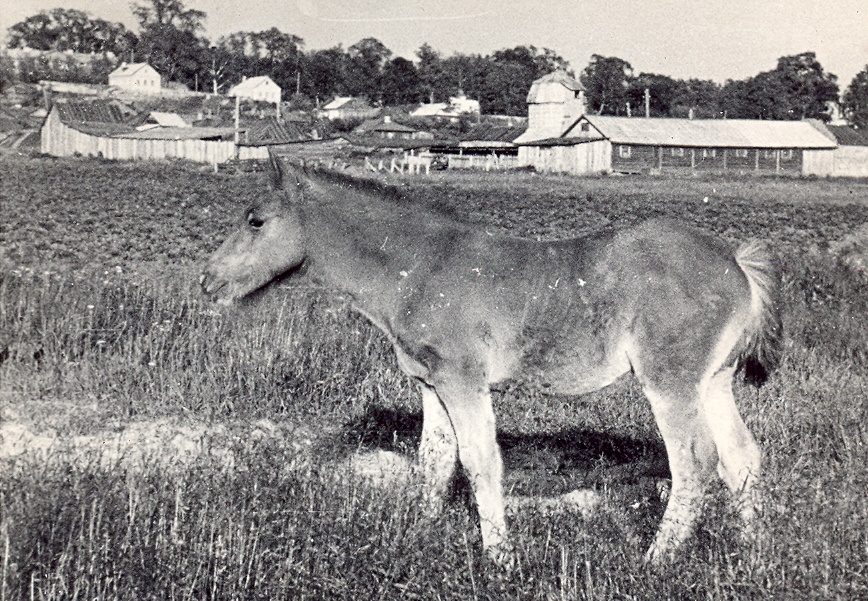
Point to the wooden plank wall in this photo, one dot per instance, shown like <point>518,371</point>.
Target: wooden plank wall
<point>58,139</point>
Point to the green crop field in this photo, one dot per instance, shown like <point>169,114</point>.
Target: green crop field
<point>153,446</point>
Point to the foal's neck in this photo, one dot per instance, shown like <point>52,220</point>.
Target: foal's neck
<point>363,245</point>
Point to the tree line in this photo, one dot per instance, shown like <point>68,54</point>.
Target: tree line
<point>170,37</point>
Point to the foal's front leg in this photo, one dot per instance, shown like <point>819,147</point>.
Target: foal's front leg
<point>438,449</point>
<point>468,403</point>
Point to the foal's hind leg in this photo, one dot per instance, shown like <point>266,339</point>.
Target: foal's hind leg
<point>739,465</point>
<point>438,449</point>
<point>692,458</point>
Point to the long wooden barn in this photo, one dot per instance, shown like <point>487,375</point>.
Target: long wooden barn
<point>602,144</point>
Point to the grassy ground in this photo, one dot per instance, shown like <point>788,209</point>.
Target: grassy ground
<point>102,331</point>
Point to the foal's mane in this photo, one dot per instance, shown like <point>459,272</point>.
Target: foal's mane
<point>388,195</point>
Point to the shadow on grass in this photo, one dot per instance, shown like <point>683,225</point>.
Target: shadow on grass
<point>538,463</point>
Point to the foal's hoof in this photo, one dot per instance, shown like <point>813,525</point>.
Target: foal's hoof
<point>502,556</point>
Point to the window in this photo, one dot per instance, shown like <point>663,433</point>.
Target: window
<point>741,153</point>
<point>787,155</point>
<point>768,154</point>
<point>624,151</point>
<point>709,153</point>
<point>586,127</point>
<point>677,152</point>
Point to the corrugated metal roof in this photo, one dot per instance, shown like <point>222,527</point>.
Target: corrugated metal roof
<point>849,136</point>
<point>90,112</point>
<point>702,133</point>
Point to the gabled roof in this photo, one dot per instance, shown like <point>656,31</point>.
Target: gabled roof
<point>346,102</point>
<point>251,83</point>
<point>701,133</point>
<point>129,69</point>
<point>537,92</point>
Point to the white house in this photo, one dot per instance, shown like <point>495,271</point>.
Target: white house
<point>452,110</point>
<point>136,77</point>
<point>257,88</point>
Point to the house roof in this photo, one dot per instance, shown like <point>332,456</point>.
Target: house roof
<point>700,133</point>
<point>346,102</point>
<point>849,136</point>
<point>251,83</point>
<point>383,124</point>
<point>129,69</point>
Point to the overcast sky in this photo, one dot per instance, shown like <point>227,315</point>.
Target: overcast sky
<point>718,40</point>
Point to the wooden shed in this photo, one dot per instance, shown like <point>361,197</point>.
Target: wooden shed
<point>603,144</point>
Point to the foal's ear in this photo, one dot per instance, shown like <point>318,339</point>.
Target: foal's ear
<point>286,175</point>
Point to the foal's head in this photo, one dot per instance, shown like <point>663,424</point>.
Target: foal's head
<point>267,244</point>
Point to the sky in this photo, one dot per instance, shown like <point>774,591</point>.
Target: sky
<point>703,39</point>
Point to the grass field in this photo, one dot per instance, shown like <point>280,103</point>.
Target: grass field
<point>155,447</point>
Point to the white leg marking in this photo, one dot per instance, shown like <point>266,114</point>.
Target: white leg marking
<point>438,449</point>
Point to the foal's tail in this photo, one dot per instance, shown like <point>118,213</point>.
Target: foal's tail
<point>762,353</point>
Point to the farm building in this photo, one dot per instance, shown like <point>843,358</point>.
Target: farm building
<point>261,88</point>
<point>850,159</point>
<point>107,129</point>
<point>387,129</point>
<point>487,146</point>
<point>348,107</point>
<point>135,77</point>
<point>602,144</point>
<point>554,102</point>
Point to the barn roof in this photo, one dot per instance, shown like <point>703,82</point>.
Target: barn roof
<point>849,136</point>
<point>701,133</point>
<point>90,112</point>
<point>537,92</point>
<point>164,119</point>
<point>272,130</point>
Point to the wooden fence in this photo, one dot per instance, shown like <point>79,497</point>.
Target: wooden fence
<point>488,162</point>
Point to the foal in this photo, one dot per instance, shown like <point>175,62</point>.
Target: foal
<point>466,309</point>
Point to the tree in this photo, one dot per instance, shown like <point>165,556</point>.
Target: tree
<point>663,93</point>
<point>856,100</point>
<point>325,73</point>
<point>697,97</point>
<point>606,80</point>
<point>169,39</point>
<point>809,88</point>
<point>399,83</point>
<point>67,29</point>
<point>366,59</point>
<point>798,88</point>
<point>432,77</point>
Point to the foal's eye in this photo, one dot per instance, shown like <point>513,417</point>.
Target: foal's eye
<point>254,221</point>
